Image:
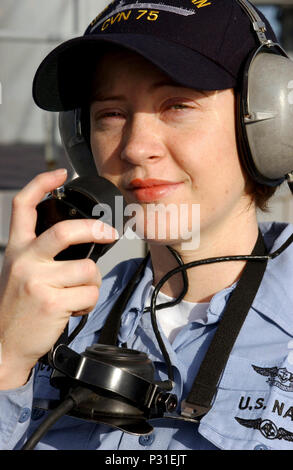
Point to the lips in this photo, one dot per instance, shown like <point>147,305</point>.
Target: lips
<point>151,189</point>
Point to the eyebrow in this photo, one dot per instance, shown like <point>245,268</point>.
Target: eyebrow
<point>100,97</point>
<point>165,83</point>
<point>172,84</point>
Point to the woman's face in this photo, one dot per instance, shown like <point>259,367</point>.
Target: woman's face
<point>165,145</point>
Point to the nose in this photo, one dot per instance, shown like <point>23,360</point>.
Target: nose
<point>142,140</point>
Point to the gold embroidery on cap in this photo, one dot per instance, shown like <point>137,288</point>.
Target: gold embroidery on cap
<point>152,15</point>
<point>101,14</point>
<point>151,8</point>
<point>120,16</point>
<point>149,15</point>
<point>201,3</point>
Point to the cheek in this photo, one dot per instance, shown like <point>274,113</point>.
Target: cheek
<point>104,151</point>
<point>220,154</point>
<point>202,153</point>
<point>225,142</point>
<point>209,157</point>
<point>97,153</point>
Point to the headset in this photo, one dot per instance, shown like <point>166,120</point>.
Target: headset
<point>264,114</point>
<point>116,386</point>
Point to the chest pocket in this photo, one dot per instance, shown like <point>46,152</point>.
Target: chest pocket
<point>253,408</point>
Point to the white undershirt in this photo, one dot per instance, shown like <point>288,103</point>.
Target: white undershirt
<point>173,319</point>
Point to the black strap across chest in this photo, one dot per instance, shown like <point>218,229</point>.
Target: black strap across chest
<point>200,398</point>
<point>204,387</point>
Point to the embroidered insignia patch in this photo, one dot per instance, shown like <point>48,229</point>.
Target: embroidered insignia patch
<point>267,428</point>
<point>279,377</point>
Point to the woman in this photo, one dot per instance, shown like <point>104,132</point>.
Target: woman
<point>162,142</point>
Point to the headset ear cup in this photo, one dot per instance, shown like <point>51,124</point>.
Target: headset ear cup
<point>242,138</point>
<point>243,145</point>
<point>265,117</point>
<point>77,147</point>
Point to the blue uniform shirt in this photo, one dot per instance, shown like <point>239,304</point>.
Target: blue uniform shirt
<point>253,407</point>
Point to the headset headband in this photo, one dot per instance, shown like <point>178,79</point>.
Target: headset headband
<point>257,23</point>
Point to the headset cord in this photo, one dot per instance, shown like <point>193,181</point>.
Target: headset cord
<point>181,296</point>
<point>73,399</point>
<point>169,383</point>
<point>182,268</point>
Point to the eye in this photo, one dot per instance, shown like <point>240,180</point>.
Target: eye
<point>107,118</point>
<point>108,114</point>
<point>179,106</point>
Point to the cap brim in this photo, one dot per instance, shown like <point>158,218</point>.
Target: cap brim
<point>62,80</point>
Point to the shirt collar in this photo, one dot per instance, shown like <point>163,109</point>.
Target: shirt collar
<point>112,287</point>
<point>135,306</point>
<point>274,298</point>
<point>275,295</point>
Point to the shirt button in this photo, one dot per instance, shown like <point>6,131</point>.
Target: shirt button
<point>261,447</point>
<point>146,440</point>
<point>24,415</point>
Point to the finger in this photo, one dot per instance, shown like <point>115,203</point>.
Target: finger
<point>77,299</point>
<point>73,273</point>
<point>80,313</point>
<point>24,215</point>
<point>72,232</point>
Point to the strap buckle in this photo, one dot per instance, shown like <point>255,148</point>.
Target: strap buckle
<point>192,411</point>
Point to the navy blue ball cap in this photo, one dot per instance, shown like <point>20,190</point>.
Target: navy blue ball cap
<point>201,44</point>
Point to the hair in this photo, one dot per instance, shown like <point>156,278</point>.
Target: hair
<point>260,193</point>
